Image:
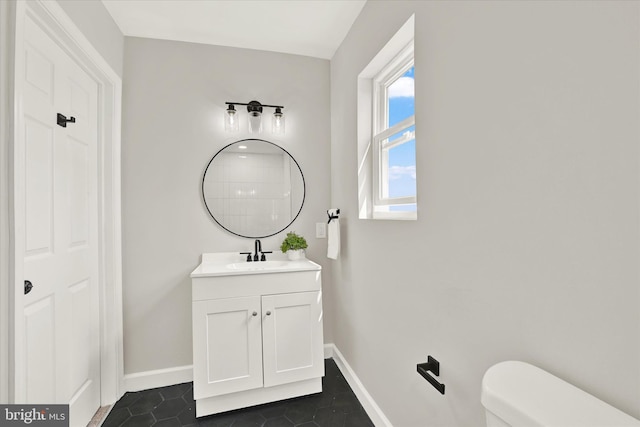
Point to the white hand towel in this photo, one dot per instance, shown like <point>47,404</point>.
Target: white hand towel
<point>333,236</point>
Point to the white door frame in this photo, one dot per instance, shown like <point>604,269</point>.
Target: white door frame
<point>54,21</point>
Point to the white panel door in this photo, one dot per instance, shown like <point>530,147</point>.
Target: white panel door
<point>292,337</point>
<point>61,312</point>
<point>227,347</point>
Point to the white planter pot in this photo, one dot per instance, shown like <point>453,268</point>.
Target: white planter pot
<point>296,255</point>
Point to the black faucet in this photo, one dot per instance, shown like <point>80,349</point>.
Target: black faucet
<point>259,254</point>
<point>258,249</point>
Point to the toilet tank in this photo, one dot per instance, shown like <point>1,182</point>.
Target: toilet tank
<point>521,395</point>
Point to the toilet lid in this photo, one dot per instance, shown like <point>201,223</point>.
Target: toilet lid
<point>524,395</point>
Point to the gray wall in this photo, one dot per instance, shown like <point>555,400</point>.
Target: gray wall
<point>173,107</point>
<point>526,246</point>
<point>98,26</point>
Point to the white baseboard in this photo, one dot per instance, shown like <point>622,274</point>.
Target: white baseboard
<point>158,378</point>
<point>373,410</point>
<point>328,350</point>
<point>177,375</point>
<point>182,374</point>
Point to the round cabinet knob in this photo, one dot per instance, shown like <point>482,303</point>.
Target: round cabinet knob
<point>268,313</point>
<point>254,314</point>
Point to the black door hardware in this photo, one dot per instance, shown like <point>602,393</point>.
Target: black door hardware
<point>27,286</point>
<point>62,120</point>
<point>432,365</point>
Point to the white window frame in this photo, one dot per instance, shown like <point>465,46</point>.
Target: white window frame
<point>370,137</point>
<point>399,65</point>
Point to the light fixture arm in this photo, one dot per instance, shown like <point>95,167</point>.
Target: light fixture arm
<point>254,104</point>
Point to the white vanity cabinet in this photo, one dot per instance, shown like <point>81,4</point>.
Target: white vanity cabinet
<point>257,337</point>
<point>227,346</point>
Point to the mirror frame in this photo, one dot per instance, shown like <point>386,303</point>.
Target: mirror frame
<point>304,188</point>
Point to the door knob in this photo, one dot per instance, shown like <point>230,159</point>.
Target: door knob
<point>27,286</point>
<point>254,314</point>
<point>268,313</point>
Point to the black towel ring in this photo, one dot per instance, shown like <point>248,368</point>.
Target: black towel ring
<point>333,216</point>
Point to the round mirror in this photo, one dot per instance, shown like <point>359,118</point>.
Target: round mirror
<point>253,188</point>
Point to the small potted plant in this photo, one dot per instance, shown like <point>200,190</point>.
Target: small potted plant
<point>293,245</point>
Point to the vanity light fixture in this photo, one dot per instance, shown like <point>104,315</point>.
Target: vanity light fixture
<point>254,109</point>
<point>231,119</point>
<point>255,117</point>
<point>278,122</point>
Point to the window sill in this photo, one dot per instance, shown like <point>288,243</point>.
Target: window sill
<point>401,216</point>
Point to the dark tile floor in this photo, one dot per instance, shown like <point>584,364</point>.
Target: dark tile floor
<point>173,406</point>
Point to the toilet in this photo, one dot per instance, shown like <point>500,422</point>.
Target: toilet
<point>517,394</point>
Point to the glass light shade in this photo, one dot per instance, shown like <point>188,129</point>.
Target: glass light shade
<point>255,122</point>
<point>278,122</point>
<point>231,120</point>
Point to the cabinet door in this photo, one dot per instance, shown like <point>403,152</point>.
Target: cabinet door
<point>293,348</point>
<point>227,346</point>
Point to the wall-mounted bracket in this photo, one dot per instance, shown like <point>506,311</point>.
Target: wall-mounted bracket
<point>62,120</point>
<point>432,365</point>
<point>333,215</point>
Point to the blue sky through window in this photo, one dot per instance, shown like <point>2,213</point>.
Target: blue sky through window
<point>402,158</point>
<point>401,98</point>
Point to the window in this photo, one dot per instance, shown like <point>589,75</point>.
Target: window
<point>386,131</point>
<point>394,137</point>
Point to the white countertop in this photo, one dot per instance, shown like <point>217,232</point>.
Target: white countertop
<point>235,264</point>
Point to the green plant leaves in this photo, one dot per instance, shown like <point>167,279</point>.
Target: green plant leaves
<point>293,242</point>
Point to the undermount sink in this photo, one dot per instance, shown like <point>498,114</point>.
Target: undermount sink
<point>257,265</point>
<point>235,264</point>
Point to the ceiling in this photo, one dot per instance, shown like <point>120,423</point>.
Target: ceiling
<point>302,27</point>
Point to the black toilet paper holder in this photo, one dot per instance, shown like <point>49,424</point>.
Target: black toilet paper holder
<point>432,365</point>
